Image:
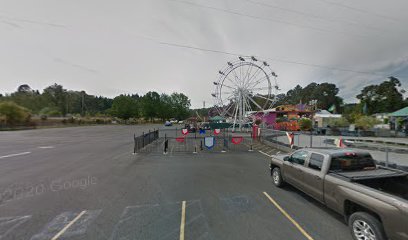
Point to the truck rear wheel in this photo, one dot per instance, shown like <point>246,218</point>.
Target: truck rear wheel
<point>277,177</point>
<point>364,226</point>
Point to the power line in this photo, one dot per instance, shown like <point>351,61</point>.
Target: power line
<point>24,20</point>
<point>189,47</point>
<point>311,15</point>
<point>267,19</point>
<point>359,10</point>
<point>266,58</point>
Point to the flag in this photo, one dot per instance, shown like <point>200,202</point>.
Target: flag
<point>202,131</point>
<point>184,131</point>
<point>340,143</point>
<point>209,142</point>
<point>291,138</point>
<point>217,131</point>
<point>332,108</point>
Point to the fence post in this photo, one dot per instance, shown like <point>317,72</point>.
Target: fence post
<point>386,156</point>
<point>134,143</point>
<point>143,136</point>
<point>275,136</point>
<point>223,134</point>
<point>195,148</point>
<point>311,138</point>
<point>298,139</point>
<point>201,145</point>
<point>224,147</point>
<point>166,146</point>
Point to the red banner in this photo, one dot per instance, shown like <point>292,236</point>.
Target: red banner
<point>180,139</point>
<point>237,140</point>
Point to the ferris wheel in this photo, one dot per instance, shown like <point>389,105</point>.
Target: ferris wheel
<point>244,86</point>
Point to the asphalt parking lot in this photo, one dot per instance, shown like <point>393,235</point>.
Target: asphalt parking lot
<point>85,183</point>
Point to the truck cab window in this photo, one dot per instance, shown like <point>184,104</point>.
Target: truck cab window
<point>299,157</point>
<point>316,161</point>
<point>352,162</point>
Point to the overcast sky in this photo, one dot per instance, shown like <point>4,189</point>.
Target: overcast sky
<point>113,47</point>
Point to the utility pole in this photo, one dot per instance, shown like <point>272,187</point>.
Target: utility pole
<point>82,103</point>
<point>66,104</point>
<point>203,112</point>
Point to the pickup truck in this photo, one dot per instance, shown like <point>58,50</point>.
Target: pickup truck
<point>372,199</point>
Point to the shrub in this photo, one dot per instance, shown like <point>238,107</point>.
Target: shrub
<point>48,111</point>
<point>352,117</point>
<point>366,122</point>
<point>13,113</point>
<point>99,121</point>
<point>339,122</point>
<point>71,120</point>
<point>305,124</point>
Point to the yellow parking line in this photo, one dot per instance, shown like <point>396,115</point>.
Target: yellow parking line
<point>288,217</point>
<point>68,225</point>
<point>183,219</point>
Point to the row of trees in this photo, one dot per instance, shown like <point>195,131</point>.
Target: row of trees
<point>384,97</point>
<point>55,100</point>
<point>325,95</point>
<point>152,105</point>
<point>377,98</point>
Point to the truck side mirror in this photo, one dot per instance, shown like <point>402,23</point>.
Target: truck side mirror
<point>287,158</point>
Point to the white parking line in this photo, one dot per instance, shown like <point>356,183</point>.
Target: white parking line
<point>68,225</point>
<point>265,154</point>
<point>14,155</point>
<point>183,220</point>
<point>9,224</point>
<point>46,147</point>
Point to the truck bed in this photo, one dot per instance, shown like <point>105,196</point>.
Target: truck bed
<point>390,181</point>
<point>397,186</point>
<point>371,174</point>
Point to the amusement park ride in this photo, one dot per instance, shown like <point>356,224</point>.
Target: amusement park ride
<point>245,86</point>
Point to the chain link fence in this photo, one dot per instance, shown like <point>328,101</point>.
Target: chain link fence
<point>386,151</point>
<point>177,140</point>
